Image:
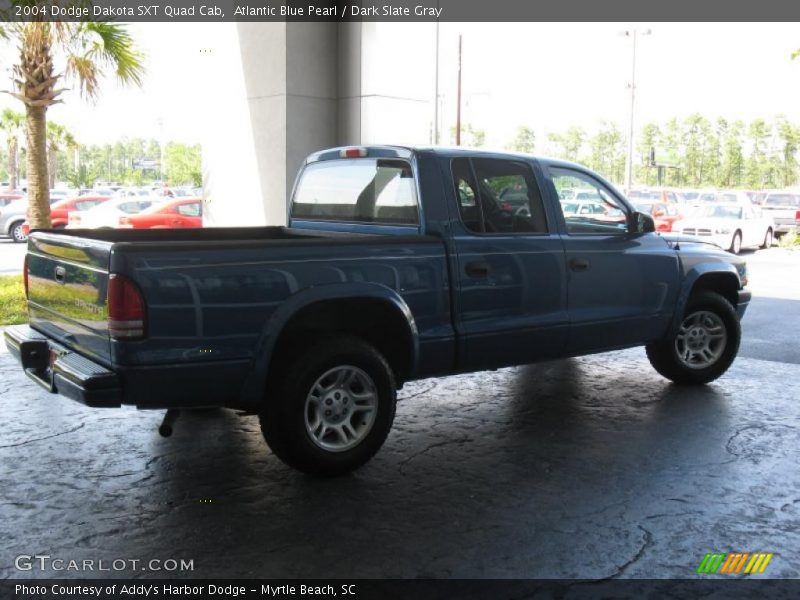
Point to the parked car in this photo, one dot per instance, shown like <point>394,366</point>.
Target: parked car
<point>397,264</point>
<point>60,210</point>
<point>61,194</point>
<point>730,226</point>
<point>107,214</point>
<point>8,198</point>
<point>12,216</point>
<point>784,208</point>
<point>657,195</point>
<point>171,214</point>
<point>578,207</point>
<point>13,219</point>
<point>664,215</point>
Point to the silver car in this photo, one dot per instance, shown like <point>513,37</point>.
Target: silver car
<point>12,216</point>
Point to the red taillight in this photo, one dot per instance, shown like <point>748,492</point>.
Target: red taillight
<point>125,309</point>
<point>797,216</point>
<point>25,274</point>
<point>353,152</point>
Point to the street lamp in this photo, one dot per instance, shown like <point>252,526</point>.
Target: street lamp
<point>633,34</point>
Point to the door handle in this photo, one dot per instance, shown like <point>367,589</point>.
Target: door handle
<point>579,264</point>
<point>479,268</point>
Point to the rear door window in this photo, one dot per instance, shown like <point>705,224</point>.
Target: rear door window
<point>498,196</point>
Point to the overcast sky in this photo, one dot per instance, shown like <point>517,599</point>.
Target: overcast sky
<point>544,75</point>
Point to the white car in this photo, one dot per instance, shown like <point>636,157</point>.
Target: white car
<point>730,226</point>
<point>107,214</point>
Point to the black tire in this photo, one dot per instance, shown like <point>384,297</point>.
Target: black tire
<point>15,231</point>
<point>736,243</point>
<point>664,355</point>
<point>284,414</point>
<point>767,239</point>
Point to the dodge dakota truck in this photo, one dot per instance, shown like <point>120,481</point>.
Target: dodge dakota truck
<point>397,264</point>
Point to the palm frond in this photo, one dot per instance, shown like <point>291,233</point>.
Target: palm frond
<point>115,47</point>
<point>84,70</point>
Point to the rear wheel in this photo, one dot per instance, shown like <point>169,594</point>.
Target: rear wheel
<point>705,345</point>
<point>767,239</point>
<point>736,243</point>
<point>333,408</point>
<point>17,234</point>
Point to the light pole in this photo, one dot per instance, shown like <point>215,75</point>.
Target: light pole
<point>633,34</point>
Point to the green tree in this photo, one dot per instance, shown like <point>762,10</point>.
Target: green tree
<point>471,137</point>
<point>81,177</point>
<point>58,140</point>
<point>11,123</point>
<point>524,141</point>
<point>182,164</point>
<point>756,169</point>
<point>731,172</point>
<point>789,136</point>
<point>87,51</point>
<point>607,152</point>
<point>649,139</point>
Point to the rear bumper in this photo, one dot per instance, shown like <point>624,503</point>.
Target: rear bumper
<point>61,371</point>
<point>787,227</point>
<point>743,302</point>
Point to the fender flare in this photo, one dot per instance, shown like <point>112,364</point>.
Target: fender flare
<point>694,275</point>
<point>254,387</point>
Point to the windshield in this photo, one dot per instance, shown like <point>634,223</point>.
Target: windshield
<point>720,212</point>
<point>786,200</point>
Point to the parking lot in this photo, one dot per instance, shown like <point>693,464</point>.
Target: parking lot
<point>593,467</point>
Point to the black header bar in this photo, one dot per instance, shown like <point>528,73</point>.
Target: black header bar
<point>399,10</point>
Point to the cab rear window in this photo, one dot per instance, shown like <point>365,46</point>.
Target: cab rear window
<point>366,190</point>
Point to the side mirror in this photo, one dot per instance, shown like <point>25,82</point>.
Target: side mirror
<point>643,223</point>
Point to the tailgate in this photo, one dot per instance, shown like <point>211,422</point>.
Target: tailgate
<point>67,284</point>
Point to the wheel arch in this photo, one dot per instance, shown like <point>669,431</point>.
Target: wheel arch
<point>373,312</point>
<point>722,278</point>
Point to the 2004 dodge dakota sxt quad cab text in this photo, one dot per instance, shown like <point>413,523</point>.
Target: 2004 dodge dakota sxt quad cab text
<point>398,263</point>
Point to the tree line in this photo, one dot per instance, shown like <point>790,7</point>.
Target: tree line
<point>693,152</point>
<point>128,161</point>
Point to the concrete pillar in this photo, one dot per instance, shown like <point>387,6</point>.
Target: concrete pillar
<point>231,184</point>
<point>308,86</point>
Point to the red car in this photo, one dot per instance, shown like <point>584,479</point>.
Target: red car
<point>59,211</point>
<point>663,214</point>
<point>178,213</point>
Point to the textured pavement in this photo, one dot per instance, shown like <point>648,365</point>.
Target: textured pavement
<point>585,468</point>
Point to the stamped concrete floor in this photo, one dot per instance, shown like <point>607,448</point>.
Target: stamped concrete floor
<point>591,468</point>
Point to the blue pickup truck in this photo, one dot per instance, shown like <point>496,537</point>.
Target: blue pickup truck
<point>398,263</point>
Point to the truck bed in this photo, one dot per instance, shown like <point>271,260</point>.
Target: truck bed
<point>211,294</point>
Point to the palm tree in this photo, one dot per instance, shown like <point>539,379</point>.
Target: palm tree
<point>87,51</point>
<point>58,139</point>
<point>11,123</point>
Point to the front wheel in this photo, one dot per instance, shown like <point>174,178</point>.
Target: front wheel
<point>705,345</point>
<point>332,409</point>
